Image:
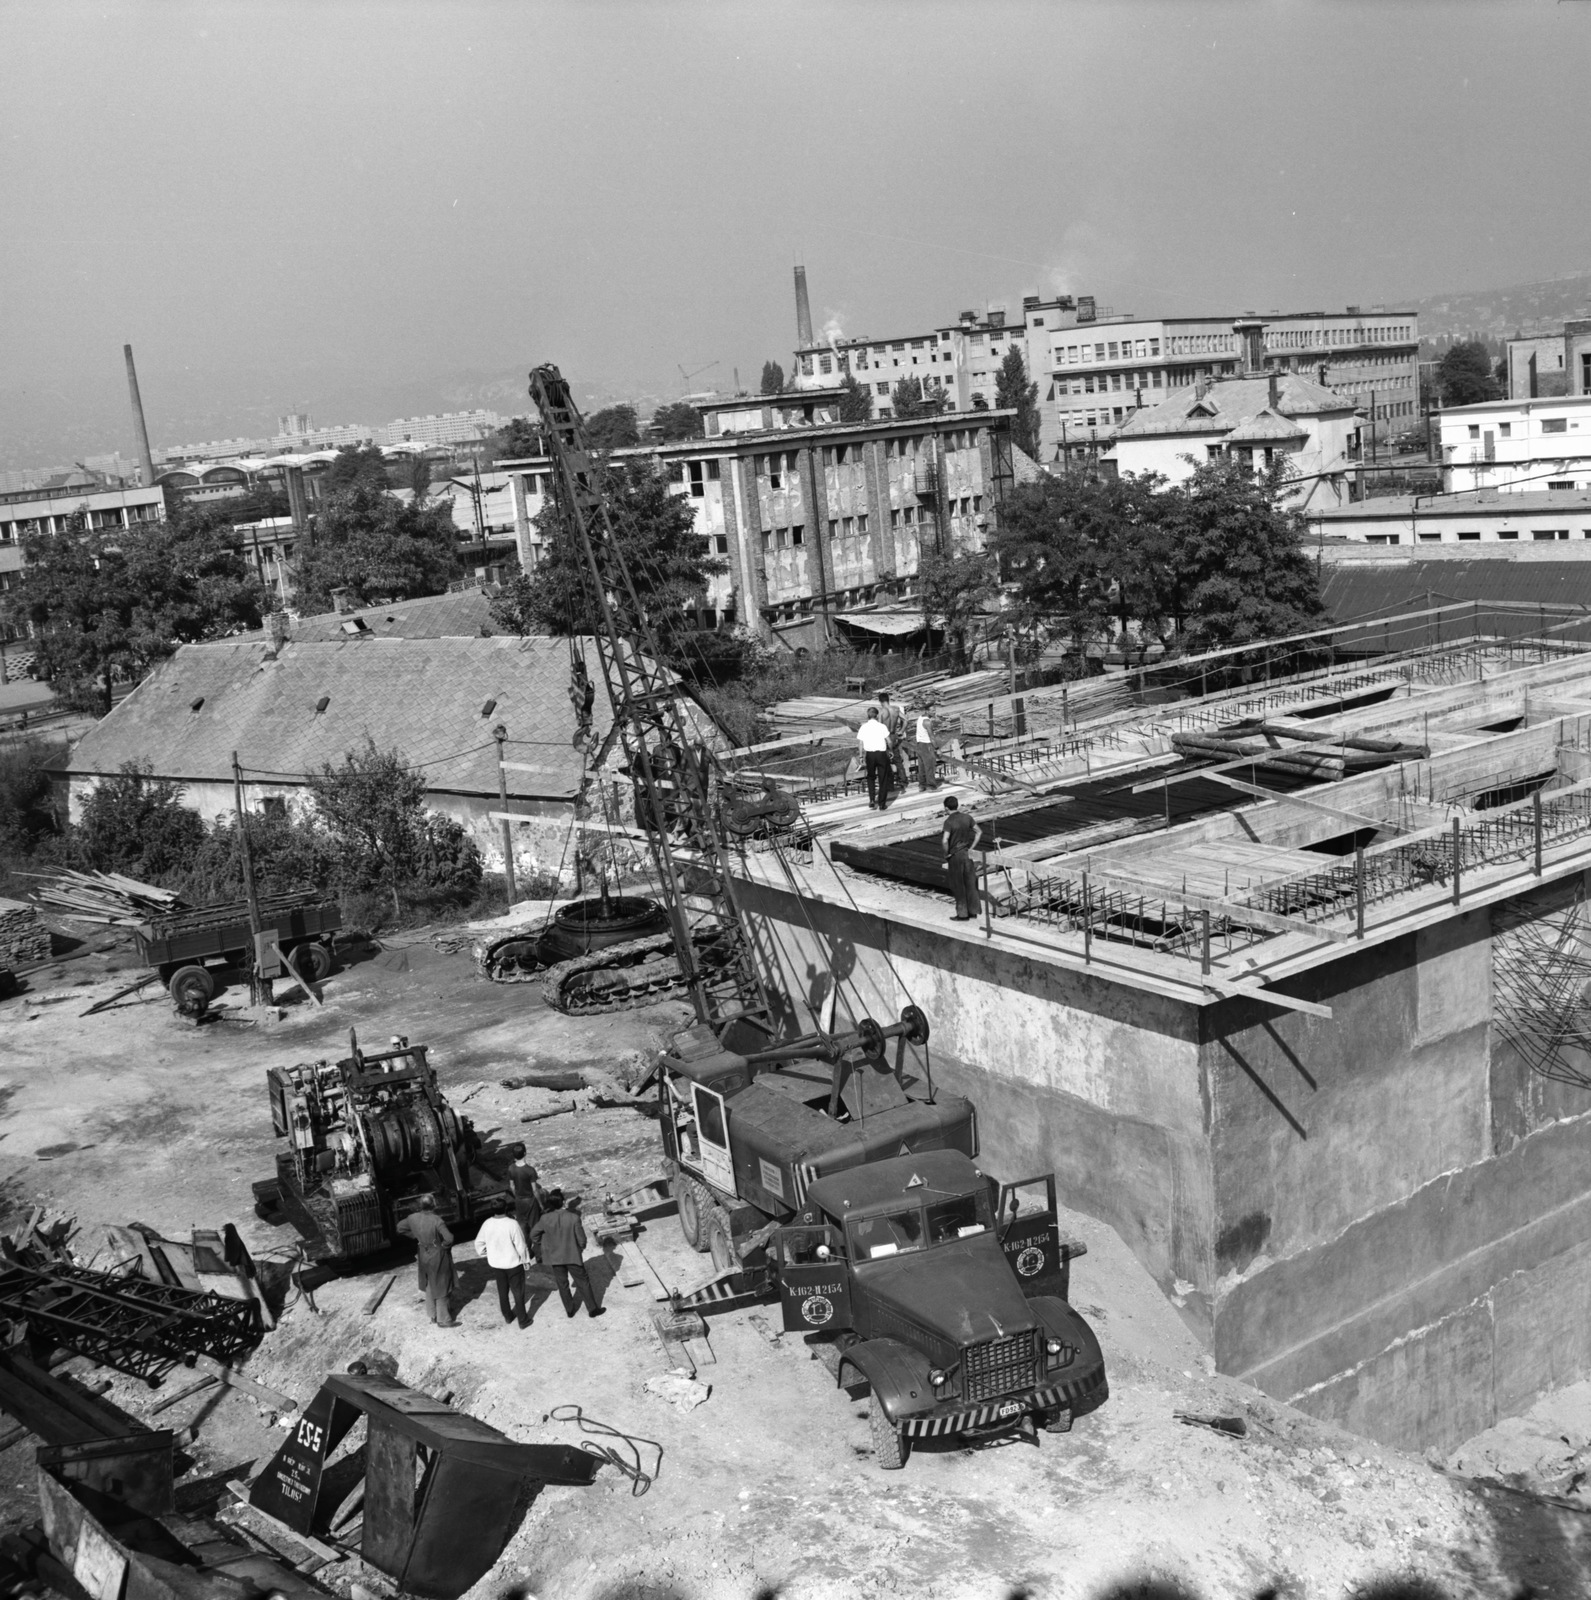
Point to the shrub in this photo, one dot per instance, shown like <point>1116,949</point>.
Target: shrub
<point>26,813</point>
<point>136,824</point>
<point>286,855</point>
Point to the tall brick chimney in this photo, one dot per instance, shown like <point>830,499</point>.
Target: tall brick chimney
<point>803,310</point>
<point>140,432</point>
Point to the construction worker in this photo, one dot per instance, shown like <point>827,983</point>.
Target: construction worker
<point>927,756</point>
<point>894,720</point>
<point>873,737</point>
<point>434,1260</point>
<point>560,1242</point>
<point>502,1241</point>
<point>959,835</point>
<point>529,1196</point>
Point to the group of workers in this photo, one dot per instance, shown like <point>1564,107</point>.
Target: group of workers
<point>543,1232</point>
<point>883,742</point>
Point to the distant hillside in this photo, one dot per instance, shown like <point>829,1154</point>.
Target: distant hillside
<point>1497,313</point>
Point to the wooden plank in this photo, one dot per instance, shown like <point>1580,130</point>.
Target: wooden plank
<point>1254,991</point>
<point>235,1380</point>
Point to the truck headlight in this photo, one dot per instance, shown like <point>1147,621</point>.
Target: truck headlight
<point>1052,1347</point>
<point>1057,1353</point>
<point>937,1377</point>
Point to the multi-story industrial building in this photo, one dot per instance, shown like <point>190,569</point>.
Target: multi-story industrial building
<point>1512,445</point>
<point>1094,369</point>
<point>79,501</point>
<point>452,427</point>
<point>1543,365</point>
<point>816,520</point>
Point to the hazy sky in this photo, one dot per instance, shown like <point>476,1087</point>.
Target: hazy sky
<point>370,209</point>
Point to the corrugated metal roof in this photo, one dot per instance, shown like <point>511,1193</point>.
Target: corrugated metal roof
<point>1354,590</point>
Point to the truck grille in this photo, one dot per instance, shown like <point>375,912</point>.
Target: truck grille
<point>999,1367</point>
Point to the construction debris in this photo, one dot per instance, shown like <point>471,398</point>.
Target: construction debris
<point>106,897</point>
<point>22,936</point>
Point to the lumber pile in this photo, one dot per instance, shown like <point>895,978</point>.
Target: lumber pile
<point>106,897</point>
<point>22,936</point>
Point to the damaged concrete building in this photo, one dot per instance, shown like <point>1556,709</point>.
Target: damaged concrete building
<point>1286,980</point>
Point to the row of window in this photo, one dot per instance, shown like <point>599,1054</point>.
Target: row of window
<point>1111,350</point>
<point>1506,535</point>
<point>1505,430</point>
<point>1316,338</point>
<point>1103,382</point>
<point>12,532</point>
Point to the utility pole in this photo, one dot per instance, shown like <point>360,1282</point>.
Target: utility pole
<point>500,734</point>
<point>259,985</point>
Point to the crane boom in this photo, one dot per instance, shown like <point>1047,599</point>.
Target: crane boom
<point>674,769</point>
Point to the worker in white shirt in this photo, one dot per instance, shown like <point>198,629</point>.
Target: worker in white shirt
<point>502,1241</point>
<point>927,756</point>
<point>873,737</point>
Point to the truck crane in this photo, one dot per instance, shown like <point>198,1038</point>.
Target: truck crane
<point>804,1165</point>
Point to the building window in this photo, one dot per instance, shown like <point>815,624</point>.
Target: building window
<point>712,471</point>
<point>1509,533</point>
<point>1471,535</point>
<point>883,388</point>
<point>834,530</point>
<point>1554,424</point>
<point>861,523</point>
<point>798,534</point>
<point>1560,483</point>
<point>1504,429</point>
<point>721,544</point>
<point>1430,538</point>
<point>1474,430</point>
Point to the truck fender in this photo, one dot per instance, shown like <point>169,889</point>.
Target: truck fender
<point>1062,1322</point>
<point>897,1373</point>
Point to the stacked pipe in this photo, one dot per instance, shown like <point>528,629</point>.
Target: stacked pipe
<point>1323,758</point>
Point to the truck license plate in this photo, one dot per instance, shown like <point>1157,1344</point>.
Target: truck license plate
<point>1011,1408</point>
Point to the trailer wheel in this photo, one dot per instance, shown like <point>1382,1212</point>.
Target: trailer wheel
<point>311,961</point>
<point>689,1201</point>
<point>890,1445</point>
<point>192,988</point>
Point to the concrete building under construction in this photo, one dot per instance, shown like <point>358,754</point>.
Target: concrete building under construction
<point>1285,977</point>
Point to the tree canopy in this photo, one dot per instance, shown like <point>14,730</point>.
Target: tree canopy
<point>519,436</point>
<point>665,555</point>
<point>355,465</point>
<point>113,600</point>
<point>1217,557</point>
<point>378,548</point>
<point>681,420</point>
<point>772,378</point>
<point>954,588</point>
<point>856,403</point>
<point>1011,388</point>
<point>1465,374</point>
<point>614,428</point>
<point>911,397</point>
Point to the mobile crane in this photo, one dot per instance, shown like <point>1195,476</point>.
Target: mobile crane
<point>769,1144</point>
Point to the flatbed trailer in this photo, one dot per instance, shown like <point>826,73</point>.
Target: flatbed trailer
<point>186,947</point>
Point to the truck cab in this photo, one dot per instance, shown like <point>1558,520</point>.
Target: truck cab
<point>944,1293</point>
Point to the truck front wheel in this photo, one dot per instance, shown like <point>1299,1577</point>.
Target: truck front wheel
<point>719,1245</point>
<point>890,1446</point>
<point>191,988</point>
<point>312,962</point>
<point>689,1200</point>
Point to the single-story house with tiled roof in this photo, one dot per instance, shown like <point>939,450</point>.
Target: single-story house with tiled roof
<point>1278,416</point>
<point>289,710</point>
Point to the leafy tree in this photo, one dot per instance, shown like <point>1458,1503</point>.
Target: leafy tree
<point>856,403</point>
<point>954,589</point>
<point>678,421</point>
<point>1011,388</point>
<point>614,428</point>
<point>26,815</point>
<point>373,807</point>
<point>419,477</point>
<point>286,853</point>
<point>137,824</point>
<point>772,378</point>
<point>1465,376</point>
<point>1086,552</point>
<point>656,531</point>
<point>911,397</point>
<point>378,548</point>
<point>519,436</point>
<point>118,600</point>
<point>355,466</point>
<point>1241,570</point>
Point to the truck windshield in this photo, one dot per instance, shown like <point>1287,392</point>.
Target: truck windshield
<point>889,1235</point>
<point>967,1214</point>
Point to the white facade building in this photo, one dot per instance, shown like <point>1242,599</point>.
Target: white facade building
<point>1518,445</point>
<point>1480,517</point>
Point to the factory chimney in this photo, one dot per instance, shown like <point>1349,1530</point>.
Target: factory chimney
<point>140,432</point>
<point>803,311</point>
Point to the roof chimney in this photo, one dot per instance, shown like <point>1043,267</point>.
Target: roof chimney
<point>803,310</point>
<point>1276,389</point>
<point>140,432</point>
<point>278,626</point>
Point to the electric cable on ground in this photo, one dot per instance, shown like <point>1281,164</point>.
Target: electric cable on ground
<point>640,1479</point>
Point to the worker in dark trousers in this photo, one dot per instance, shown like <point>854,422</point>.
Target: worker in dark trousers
<point>560,1244</point>
<point>894,720</point>
<point>959,835</point>
<point>502,1241</point>
<point>873,737</point>
<point>435,1259</point>
<point>524,1183</point>
<point>927,755</point>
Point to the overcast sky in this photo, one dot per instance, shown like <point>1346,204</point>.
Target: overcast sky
<point>370,209</point>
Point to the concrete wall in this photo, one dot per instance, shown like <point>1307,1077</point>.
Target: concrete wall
<point>1384,1218</point>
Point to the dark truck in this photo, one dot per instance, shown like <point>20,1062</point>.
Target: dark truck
<point>849,1189</point>
<point>943,1293</point>
<point>185,947</point>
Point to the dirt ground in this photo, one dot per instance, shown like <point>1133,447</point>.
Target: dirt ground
<point>766,1487</point>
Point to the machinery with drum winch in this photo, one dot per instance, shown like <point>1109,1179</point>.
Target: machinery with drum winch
<point>368,1136</point>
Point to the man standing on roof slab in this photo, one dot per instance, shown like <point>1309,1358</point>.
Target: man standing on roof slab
<point>960,832</point>
<point>873,737</point>
<point>894,720</point>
